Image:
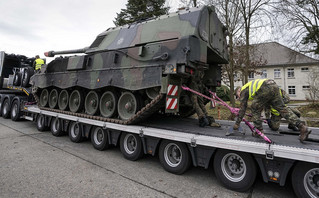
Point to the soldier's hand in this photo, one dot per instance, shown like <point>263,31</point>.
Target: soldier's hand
<point>236,127</point>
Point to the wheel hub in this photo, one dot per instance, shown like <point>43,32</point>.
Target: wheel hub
<point>93,103</point>
<point>128,106</point>
<point>109,104</point>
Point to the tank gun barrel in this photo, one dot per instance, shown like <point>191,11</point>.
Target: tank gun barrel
<point>75,51</point>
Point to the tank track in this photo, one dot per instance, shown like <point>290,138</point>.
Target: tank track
<point>145,112</point>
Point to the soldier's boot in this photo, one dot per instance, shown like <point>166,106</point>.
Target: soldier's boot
<point>215,124</point>
<point>203,121</point>
<point>212,122</point>
<point>293,127</point>
<point>304,132</point>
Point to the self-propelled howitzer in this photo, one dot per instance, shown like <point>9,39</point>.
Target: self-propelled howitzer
<point>133,71</point>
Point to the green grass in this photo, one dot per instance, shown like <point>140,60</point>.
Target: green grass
<point>222,113</point>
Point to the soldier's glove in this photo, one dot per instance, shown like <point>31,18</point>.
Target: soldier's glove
<point>236,127</point>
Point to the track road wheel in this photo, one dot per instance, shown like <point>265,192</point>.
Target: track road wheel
<point>305,180</point>
<point>174,157</point>
<point>53,99</point>
<point>75,132</point>
<point>5,109</point>
<point>235,170</point>
<point>108,104</point>
<point>63,100</point>
<point>41,123</point>
<point>76,101</point>
<point>131,146</point>
<point>44,98</point>
<point>128,105</point>
<point>91,103</point>
<point>15,111</point>
<point>99,138</point>
<point>56,127</point>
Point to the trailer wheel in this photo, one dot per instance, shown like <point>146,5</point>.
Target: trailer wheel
<point>99,138</point>
<point>174,157</point>
<point>235,170</point>
<point>15,111</point>
<point>305,180</point>
<point>56,127</point>
<point>5,109</point>
<point>131,146</point>
<point>75,132</point>
<point>41,123</point>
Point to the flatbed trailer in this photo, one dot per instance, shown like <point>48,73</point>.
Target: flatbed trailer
<point>180,143</point>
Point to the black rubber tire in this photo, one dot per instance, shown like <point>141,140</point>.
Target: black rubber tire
<point>99,138</point>
<point>75,136</point>
<point>169,160</point>
<point>17,78</point>
<point>5,109</point>
<point>299,180</point>
<point>41,123</point>
<point>131,146</point>
<point>15,111</point>
<point>56,127</point>
<point>26,77</point>
<point>244,182</point>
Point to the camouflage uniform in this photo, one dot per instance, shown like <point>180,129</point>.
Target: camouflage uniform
<point>198,103</point>
<point>274,120</point>
<point>267,95</point>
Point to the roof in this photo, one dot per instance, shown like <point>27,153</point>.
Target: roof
<point>277,54</point>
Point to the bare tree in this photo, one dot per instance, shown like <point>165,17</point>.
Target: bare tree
<point>191,3</point>
<point>253,12</point>
<point>229,14</point>
<point>313,80</point>
<point>303,18</point>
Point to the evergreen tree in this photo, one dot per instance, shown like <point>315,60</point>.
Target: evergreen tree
<point>137,10</point>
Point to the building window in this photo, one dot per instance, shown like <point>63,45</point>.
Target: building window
<point>276,73</point>
<point>251,75</point>
<point>304,69</point>
<point>263,73</point>
<point>292,90</point>
<point>291,73</point>
<point>306,87</point>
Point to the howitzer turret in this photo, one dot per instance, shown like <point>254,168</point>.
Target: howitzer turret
<point>133,71</point>
<point>75,51</point>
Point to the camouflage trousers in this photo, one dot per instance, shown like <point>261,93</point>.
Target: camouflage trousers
<point>198,105</point>
<point>275,120</point>
<point>268,95</point>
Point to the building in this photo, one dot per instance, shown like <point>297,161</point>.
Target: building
<point>290,69</point>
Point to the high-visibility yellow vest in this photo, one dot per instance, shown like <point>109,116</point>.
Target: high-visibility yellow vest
<point>38,63</point>
<point>274,111</point>
<point>253,87</point>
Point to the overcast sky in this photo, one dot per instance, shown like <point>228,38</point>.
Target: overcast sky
<point>31,27</point>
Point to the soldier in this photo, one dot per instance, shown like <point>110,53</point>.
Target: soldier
<point>38,63</point>
<point>198,103</point>
<point>273,117</point>
<point>264,92</point>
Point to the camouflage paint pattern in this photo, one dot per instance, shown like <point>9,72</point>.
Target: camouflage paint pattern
<point>143,55</point>
<point>267,95</point>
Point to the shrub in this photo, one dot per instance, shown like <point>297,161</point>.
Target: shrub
<point>223,93</point>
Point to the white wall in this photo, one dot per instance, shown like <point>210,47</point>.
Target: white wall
<point>300,79</point>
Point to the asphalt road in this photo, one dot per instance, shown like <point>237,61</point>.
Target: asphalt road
<point>37,164</point>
